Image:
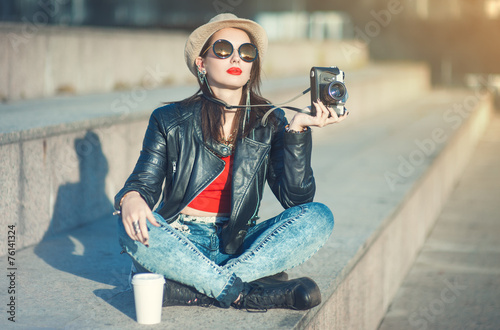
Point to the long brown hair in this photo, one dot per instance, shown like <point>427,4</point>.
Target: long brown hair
<point>213,114</point>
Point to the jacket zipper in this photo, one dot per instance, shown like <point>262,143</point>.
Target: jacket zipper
<point>174,169</point>
<point>203,187</point>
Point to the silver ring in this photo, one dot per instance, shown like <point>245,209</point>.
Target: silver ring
<point>136,227</point>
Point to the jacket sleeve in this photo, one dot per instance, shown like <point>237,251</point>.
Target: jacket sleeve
<point>149,172</point>
<point>290,175</point>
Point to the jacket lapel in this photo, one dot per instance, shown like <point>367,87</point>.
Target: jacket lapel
<point>250,155</point>
<point>201,176</point>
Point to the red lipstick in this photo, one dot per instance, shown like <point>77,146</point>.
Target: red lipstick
<point>234,70</point>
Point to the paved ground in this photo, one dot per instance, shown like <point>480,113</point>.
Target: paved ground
<point>455,282</point>
<point>77,280</point>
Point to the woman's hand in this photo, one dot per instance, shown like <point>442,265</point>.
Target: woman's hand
<point>135,211</point>
<point>324,116</point>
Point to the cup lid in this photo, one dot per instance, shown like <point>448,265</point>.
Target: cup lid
<point>147,278</point>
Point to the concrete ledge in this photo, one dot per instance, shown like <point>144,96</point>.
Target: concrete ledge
<point>84,60</point>
<point>365,287</point>
<point>43,61</point>
<point>383,212</point>
<point>65,158</point>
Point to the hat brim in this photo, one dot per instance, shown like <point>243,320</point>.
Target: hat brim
<point>199,37</point>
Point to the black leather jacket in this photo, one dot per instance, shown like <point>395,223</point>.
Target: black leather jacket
<point>174,154</point>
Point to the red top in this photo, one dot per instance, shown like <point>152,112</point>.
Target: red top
<point>216,198</point>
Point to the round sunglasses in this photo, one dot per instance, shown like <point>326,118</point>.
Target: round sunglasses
<point>223,49</point>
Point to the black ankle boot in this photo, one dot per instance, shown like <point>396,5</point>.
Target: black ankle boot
<point>177,294</point>
<point>301,294</point>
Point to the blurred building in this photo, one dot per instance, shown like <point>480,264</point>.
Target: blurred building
<point>456,37</point>
<point>108,13</point>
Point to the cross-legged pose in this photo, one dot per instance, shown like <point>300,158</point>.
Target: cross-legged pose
<point>206,164</point>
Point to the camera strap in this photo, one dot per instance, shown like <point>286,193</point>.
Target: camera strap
<point>273,106</point>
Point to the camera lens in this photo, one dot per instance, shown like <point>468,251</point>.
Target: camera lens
<point>336,90</point>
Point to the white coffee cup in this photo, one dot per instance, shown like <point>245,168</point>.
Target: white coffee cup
<point>148,296</point>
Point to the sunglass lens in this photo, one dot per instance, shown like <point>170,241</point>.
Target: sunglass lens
<point>223,48</point>
<point>248,52</point>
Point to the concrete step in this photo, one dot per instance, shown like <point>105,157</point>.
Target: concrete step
<point>68,153</point>
<point>454,282</point>
<point>402,166</point>
<point>385,177</point>
<point>82,60</point>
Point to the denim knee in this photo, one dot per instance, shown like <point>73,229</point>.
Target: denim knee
<point>322,215</point>
<point>127,243</point>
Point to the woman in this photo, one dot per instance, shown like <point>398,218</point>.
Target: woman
<point>213,162</point>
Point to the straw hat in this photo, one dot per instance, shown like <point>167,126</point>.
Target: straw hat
<point>200,36</point>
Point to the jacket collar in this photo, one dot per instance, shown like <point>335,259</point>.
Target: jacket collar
<point>216,147</point>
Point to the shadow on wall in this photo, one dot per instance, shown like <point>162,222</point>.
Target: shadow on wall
<point>90,250</point>
<point>83,202</point>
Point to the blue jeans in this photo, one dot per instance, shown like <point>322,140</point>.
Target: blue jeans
<point>190,252</point>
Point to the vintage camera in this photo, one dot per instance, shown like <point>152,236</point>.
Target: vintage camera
<point>327,84</point>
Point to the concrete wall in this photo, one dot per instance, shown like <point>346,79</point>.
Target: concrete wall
<point>53,60</point>
<point>53,184</point>
<point>41,61</point>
